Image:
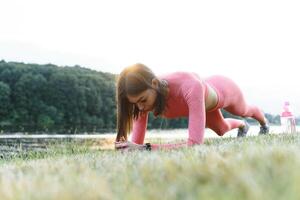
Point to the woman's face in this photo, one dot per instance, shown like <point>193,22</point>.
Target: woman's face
<point>145,100</point>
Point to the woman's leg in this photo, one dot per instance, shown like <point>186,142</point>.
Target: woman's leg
<point>232,99</point>
<point>216,122</point>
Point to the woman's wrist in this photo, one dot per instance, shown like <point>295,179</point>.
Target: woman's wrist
<point>147,146</point>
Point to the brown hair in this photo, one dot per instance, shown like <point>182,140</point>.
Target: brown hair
<point>132,81</point>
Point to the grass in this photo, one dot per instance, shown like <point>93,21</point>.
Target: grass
<point>266,167</point>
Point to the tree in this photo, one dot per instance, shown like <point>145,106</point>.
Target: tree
<point>4,100</point>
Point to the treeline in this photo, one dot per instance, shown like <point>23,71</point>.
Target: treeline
<point>64,100</point>
<point>47,98</point>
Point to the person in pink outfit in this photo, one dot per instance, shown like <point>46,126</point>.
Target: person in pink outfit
<point>179,94</point>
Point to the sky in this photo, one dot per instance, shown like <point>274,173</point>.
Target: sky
<point>256,43</point>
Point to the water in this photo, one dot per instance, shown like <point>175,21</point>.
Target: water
<point>164,134</point>
<point>183,133</point>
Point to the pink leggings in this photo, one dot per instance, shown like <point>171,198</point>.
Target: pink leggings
<point>231,99</point>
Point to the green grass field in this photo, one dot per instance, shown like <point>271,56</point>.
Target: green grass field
<point>265,167</point>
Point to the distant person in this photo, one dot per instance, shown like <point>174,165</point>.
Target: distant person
<point>179,94</point>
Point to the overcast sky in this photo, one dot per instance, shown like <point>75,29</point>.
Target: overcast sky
<point>256,42</point>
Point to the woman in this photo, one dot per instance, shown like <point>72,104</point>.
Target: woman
<point>178,94</point>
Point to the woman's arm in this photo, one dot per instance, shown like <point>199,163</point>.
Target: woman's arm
<point>195,98</point>
<point>168,146</point>
<point>137,137</point>
<point>139,129</point>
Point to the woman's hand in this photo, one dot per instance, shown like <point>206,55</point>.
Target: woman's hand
<point>128,146</point>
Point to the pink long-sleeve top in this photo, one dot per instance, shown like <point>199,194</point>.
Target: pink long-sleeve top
<point>186,98</point>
